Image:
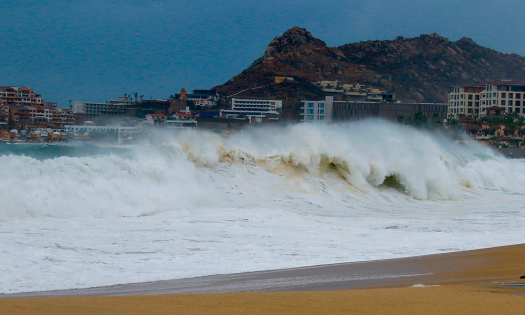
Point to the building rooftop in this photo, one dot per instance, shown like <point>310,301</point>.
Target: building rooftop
<point>493,82</point>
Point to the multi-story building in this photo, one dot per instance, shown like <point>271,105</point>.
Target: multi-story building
<point>4,114</point>
<point>329,110</point>
<point>351,92</point>
<point>473,99</point>
<point>62,117</point>
<point>254,109</point>
<point>317,111</point>
<point>39,116</point>
<point>203,98</point>
<point>19,96</point>
<point>90,108</point>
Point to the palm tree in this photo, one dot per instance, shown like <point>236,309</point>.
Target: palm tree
<point>136,95</point>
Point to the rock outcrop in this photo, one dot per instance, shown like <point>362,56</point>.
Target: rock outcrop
<point>293,40</point>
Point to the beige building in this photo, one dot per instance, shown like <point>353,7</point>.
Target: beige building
<point>19,96</point>
<point>473,99</point>
<point>350,92</point>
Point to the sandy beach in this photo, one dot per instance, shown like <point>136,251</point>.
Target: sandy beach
<point>470,282</point>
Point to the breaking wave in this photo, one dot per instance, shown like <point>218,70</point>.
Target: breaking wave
<point>196,169</point>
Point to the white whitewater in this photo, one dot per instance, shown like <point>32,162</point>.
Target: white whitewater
<point>205,204</point>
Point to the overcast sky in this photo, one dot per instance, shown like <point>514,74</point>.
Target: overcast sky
<point>100,49</point>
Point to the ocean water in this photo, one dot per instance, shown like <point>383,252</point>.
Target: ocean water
<point>80,215</point>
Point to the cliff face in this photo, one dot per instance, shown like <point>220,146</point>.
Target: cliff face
<point>420,69</point>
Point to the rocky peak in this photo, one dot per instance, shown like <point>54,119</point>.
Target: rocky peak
<point>466,40</point>
<point>293,40</point>
<point>434,37</point>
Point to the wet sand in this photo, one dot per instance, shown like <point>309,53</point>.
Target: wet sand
<point>454,283</point>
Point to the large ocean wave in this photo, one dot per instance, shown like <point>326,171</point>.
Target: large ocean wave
<point>194,169</point>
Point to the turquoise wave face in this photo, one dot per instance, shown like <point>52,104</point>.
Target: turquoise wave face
<point>50,151</point>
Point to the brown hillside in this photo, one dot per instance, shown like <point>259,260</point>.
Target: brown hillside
<point>420,69</point>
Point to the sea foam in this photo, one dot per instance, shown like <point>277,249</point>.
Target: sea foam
<point>195,169</point>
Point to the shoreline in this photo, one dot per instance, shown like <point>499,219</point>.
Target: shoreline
<point>468,282</point>
<point>442,268</point>
<point>456,283</point>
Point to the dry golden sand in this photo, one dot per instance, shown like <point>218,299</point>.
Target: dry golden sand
<point>463,279</point>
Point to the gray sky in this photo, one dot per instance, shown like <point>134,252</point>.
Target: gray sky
<point>100,49</point>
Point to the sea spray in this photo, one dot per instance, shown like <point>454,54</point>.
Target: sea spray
<point>195,168</point>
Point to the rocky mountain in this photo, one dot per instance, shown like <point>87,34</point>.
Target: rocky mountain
<point>420,69</point>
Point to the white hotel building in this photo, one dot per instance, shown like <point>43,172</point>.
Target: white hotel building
<point>474,98</point>
<point>255,110</point>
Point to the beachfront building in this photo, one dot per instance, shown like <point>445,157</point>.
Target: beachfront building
<point>255,110</point>
<point>35,116</point>
<point>317,111</point>
<point>91,108</point>
<point>178,120</point>
<point>88,127</point>
<point>4,114</point>
<point>20,96</point>
<point>203,98</point>
<point>329,110</point>
<point>351,92</point>
<point>473,99</point>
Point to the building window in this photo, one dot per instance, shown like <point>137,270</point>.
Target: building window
<point>503,101</point>
<point>320,111</point>
<point>503,95</point>
<point>518,96</point>
<point>510,102</point>
<point>511,95</point>
<point>321,105</point>
<point>518,103</point>
<point>469,103</point>
<point>310,105</point>
<point>477,97</point>
<point>309,111</point>
<point>470,96</point>
<point>310,117</point>
<point>476,104</point>
<point>320,117</point>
